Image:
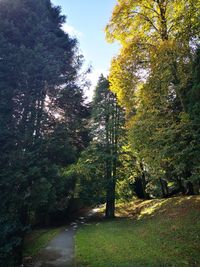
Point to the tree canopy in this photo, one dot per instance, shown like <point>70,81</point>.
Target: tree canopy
<point>152,77</point>
<point>42,116</point>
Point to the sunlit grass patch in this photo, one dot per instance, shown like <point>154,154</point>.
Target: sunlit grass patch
<point>163,233</point>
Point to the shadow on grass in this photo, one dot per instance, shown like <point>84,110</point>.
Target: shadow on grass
<point>171,207</point>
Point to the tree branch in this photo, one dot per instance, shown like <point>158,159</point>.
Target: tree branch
<point>146,18</point>
<point>152,9</point>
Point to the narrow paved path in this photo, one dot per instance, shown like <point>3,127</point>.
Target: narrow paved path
<point>60,251</point>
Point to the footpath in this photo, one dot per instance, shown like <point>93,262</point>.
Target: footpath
<point>60,252</point>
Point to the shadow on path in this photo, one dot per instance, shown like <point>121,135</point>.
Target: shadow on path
<point>60,251</point>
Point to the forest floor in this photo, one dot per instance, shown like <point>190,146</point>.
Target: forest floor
<point>152,233</point>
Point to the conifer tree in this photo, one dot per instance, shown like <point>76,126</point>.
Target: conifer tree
<point>43,117</point>
<point>108,120</point>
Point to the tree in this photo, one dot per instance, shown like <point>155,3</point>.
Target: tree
<point>151,77</point>
<point>193,108</point>
<point>98,168</point>
<point>142,27</point>
<point>108,125</point>
<point>41,105</point>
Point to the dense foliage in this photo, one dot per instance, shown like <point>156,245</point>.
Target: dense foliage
<point>155,79</point>
<point>98,167</point>
<point>139,136</point>
<point>42,118</point>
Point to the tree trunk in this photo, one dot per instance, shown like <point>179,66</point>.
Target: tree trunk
<point>164,188</point>
<point>181,187</point>
<point>190,189</point>
<point>143,182</point>
<point>110,200</point>
<point>163,21</point>
<point>109,192</point>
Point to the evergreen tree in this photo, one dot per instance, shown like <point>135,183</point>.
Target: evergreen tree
<point>108,119</point>
<point>43,117</point>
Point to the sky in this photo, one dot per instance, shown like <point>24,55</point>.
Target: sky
<point>86,19</point>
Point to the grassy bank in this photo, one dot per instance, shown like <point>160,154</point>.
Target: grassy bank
<point>38,239</point>
<point>152,233</point>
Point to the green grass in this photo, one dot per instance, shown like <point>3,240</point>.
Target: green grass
<point>38,239</point>
<point>158,233</point>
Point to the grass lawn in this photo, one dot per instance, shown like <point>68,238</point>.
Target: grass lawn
<point>157,233</point>
<point>38,239</point>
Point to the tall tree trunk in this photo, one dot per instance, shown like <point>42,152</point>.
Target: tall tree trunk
<point>110,201</point>
<point>109,197</point>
